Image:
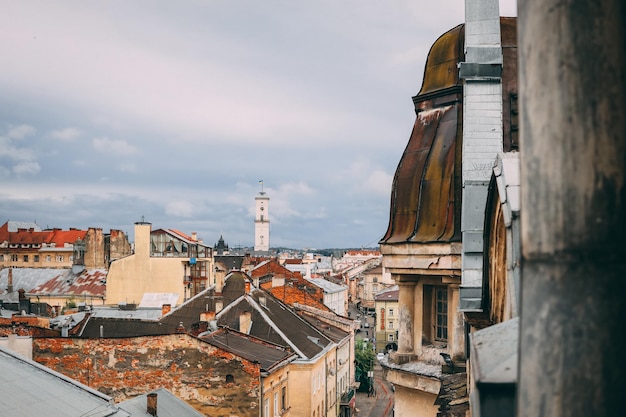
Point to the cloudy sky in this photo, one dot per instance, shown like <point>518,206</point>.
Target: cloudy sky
<point>173,111</point>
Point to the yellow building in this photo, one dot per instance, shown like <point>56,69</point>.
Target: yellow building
<point>321,374</point>
<point>165,261</point>
<point>387,319</point>
<point>26,245</point>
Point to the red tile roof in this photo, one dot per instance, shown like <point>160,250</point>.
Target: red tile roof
<point>30,236</point>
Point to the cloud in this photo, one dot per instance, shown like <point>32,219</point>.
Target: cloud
<point>378,182</point>
<point>180,209</point>
<point>20,132</point>
<point>127,168</point>
<point>68,134</point>
<point>107,145</point>
<point>23,158</point>
<point>27,168</point>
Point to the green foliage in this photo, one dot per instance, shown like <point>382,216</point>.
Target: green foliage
<point>364,357</point>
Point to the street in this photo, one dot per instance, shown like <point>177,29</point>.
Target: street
<point>380,405</point>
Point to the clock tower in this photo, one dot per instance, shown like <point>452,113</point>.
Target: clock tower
<point>262,223</point>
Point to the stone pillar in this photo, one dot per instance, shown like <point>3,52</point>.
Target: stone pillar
<point>456,325</point>
<point>406,327</point>
<point>572,56</point>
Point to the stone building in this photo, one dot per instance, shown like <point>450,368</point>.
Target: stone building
<point>433,246</point>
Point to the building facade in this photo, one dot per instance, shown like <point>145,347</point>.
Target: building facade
<point>165,261</point>
<point>387,319</point>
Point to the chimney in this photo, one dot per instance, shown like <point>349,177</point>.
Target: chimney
<point>151,406</point>
<point>207,316</point>
<point>247,286</point>
<point>194,236</point>
<point>10,281</point>
<point>165,308</point>
<point>245,322</point>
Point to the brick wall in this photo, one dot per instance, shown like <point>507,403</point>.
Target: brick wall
<point>191,369</point>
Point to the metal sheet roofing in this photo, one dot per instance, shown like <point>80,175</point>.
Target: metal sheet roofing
<point>168,405</point>
<point>27,278</point>
<point>426,190</point>
<point>251,348</point>
<point>30,389</point>
<point>494,352</point>
<point>275,322</point>
<point>327,286</point>
<point>89,282</point>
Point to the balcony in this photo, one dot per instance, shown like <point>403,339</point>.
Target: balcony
<point>348,399</point>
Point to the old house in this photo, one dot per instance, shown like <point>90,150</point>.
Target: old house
<point>255,312</point>
<point>165,261</point>
<point>26,245</point>
<point>387,319</point>
<point>434,243</point>
<point>219,375</point>
<point>335,296</point>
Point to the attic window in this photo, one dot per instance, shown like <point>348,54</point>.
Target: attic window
<point>230,379</point>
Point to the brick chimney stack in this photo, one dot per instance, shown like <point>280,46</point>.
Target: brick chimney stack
<point>10,281</point>
<point>151,406</point>
<point>165,308</point>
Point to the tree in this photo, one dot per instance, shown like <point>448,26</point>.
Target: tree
<point>364,362</point>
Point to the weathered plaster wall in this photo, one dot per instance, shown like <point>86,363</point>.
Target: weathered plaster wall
<point>191,369</point>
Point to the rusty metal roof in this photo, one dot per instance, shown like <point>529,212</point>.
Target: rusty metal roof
<point>426,190</point>
<point>89,282</point>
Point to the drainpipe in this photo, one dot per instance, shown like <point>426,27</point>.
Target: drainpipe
<point>262,375</point>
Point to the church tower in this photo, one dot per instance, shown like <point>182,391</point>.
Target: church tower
<point>262,222</point>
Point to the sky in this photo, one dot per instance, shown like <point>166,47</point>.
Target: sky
<point>172,112</point>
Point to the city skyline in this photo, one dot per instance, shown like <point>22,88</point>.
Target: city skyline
<point>113,112</point>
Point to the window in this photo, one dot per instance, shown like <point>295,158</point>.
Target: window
<point>441,313</point>
<point>375,287</point>
<point>390,338</point>
<point>276,404</point>
<point>14,258</point>
<point>283,400</point>
<point>391,311</point>
<point>60,258</point>
<point>36,258</point>
<point>1,257</point>
<point>25,258</point>
<point>390,325</point>
<point>48,258</point>
<point>266,411</point>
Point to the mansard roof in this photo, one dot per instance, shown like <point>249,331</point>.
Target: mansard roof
<point>427,186</point>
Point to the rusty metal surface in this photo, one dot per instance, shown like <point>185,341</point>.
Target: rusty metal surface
<point>426,190</point>
<point>441,65</point>
<point>88,283</point>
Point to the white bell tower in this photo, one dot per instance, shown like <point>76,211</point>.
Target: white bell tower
<point>262,222</point>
